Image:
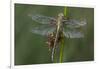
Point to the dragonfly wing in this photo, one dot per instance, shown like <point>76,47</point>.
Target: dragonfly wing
<point>72,23</point>
<point>43,30</point>
<point>73,34</point>
<point>42,19</point>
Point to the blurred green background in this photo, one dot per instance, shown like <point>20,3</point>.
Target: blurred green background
<point>31,48</point>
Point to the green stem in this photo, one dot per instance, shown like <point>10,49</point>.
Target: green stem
<point>65,11</point>
<point>62,41</point>
<point>61,51</point>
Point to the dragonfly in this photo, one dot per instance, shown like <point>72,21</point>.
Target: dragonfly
<point>49,25</point>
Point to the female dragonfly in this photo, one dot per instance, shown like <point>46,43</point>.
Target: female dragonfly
<point>47,25</point>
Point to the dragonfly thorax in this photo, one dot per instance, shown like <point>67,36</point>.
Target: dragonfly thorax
<point>59,20</point>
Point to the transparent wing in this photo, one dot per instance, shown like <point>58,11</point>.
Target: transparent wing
<point>41,19</point>
<point>73,23</point>
<point>42,30</point>
<point>73,33</point>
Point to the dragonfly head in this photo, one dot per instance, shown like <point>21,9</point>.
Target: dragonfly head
<point>60,15</point>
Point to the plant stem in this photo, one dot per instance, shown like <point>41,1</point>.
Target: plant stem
<point>65,11</point>
<point>62,41</point>
<point>61,51</point>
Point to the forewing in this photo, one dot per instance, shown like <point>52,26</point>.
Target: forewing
<point>43,29</point>
<point>41,19</point>
<point>73,23</point>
